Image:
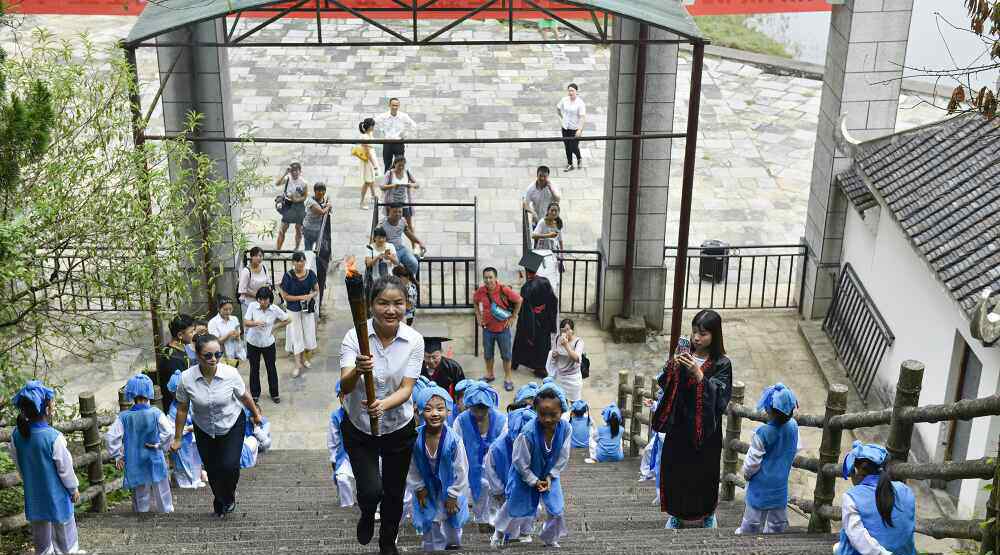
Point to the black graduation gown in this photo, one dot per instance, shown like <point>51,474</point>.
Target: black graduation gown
<point>535,324</point>
<point>446,375</point>
<point>689,473</point>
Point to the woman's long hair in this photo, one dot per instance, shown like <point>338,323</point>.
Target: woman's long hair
<point>614,424</point>
<point>28,415</point>
<point>366,124</point>
<point>710,321</point>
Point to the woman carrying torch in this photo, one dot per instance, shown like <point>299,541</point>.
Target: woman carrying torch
<point>377,377</point>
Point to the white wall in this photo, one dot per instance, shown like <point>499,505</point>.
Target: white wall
<point>925,320</point>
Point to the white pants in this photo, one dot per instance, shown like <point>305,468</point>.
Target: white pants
<point>154,498</point>
<point>514,527</point>
<point>572,385</point>
<point>53,537</point>
<point>441,535</point>
<point>301,332</point>
<point>769,521</point>
<point>346,487</point>
<point>481,506</point>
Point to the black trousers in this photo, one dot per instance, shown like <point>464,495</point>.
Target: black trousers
<point>572,147</point>
<point>390,151</point>
<point>387,488</point>
<point>220,456</point>
<point>253,355</point>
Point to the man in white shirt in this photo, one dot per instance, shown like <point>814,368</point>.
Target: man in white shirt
<point>539,195</point>
<point>573,113</point>
<point>393,125</point>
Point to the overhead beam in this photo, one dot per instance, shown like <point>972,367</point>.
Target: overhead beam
<point>471,141</point>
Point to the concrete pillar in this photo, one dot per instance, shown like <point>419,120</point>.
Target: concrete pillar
<point>650,278</point>
<point>200,83</point>
<point>864,59</point>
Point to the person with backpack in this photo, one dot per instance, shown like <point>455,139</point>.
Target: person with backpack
<point>565,359</point>
<point>497,307</point>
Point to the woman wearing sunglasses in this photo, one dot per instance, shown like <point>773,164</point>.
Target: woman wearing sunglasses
<point>214,392</point>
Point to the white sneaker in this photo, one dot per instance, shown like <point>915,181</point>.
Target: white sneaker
<point>524,539</point>
<point>497,540</point>
<point>554,545</point>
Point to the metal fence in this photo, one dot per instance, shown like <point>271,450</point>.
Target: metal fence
<point>744,276</point>
<point>579,281</point>
<point>857,330</point>
<point>68,291</point>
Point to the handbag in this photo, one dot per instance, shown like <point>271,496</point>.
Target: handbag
<point>360,152</point>
<point>500,314</point>
<point>584,366</point>
<point>281,202</point>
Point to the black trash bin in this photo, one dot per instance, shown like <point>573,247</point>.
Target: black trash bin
<point>714,263</point>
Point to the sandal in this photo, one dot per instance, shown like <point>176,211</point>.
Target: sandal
<point>490,379</point>
<point>508,386</point>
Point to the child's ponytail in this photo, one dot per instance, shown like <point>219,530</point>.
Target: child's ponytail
<point>885,496</point>
<point>28,414</point>
<point>614,424</point>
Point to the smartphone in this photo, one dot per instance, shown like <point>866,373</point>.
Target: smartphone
<point>683,345</point>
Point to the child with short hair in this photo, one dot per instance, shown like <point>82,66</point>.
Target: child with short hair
<point>540,454</point>
<point>343,474</point>
<point>187,460</point>
<point>878,514</point>
<point>42,459</point>
<point>478,427</point>
<point>438,475</point>
<point>410,282</point>
<point>579,421</point>
<point>768,463</point>
<point>606,441</point>
<point>137,440</point>
<point>460,388</point>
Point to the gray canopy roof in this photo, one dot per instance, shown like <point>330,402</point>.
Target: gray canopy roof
<point>164,16</point>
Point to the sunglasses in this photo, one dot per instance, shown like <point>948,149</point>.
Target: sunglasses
<point>217,355</point>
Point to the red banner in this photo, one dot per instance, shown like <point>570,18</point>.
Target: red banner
<point>700,7</point>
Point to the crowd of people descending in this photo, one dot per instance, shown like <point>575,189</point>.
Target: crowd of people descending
<point>445,453</point>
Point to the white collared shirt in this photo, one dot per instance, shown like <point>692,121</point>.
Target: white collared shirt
<point>403,358</point>
<point>215,406</point>
<point>394,127</point>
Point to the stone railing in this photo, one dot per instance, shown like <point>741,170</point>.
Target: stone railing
<point>90,424</point>
<point>900,418</point>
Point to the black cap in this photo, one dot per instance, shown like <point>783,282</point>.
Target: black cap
<point>432,344</point>
<point>531,261</point>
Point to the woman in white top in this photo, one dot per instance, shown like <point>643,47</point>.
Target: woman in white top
<point>564,360</point>
<point>547,233</point>
<point>397,358</point>
<point>398,187</point>
<point>573,113</point>
<point>253,276</point>
<point>215,395</point>
<point>381,257</point>
<point>226,327</point>
<point>261,319</point>
<point>369,168</point>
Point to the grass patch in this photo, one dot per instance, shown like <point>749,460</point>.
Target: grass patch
<point>733,31</point>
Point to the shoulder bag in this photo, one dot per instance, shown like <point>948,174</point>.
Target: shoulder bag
<point>360,152</point>
<point>281,202</point>
<point>499,313</point>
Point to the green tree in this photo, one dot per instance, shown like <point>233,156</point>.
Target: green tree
<point>87,218</point>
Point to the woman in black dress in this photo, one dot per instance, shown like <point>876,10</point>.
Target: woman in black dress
<point>697,384</point>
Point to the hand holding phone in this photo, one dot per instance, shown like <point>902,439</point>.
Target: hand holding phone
<point>683,346</point>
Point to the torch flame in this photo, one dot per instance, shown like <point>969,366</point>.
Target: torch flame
<point>349,267</point>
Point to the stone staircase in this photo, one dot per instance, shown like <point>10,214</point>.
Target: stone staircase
<point>288,505</point>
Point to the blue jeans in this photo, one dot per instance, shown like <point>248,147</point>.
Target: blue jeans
<point>502,338</point>
<point>310,238</point>
<point>406,258</point>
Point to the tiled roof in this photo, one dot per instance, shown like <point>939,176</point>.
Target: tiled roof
<point>856,190</point>
<point>941,183</point>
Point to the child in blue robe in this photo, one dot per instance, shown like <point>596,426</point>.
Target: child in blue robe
<point>187,461</point>
<point>256,439</point>
<point>579,421</point>
<point>459,407</point>
<point>478,427</point>
<point>768,463</point>
<point>42,459</point>
<point>497,466</point>
<point>878,515</point>
<point>137,440</point>
<point>606,441</point>
<point>343,474</point>
<point>438,475</point>
<point>540,454</point>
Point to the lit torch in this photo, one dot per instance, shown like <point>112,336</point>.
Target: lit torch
<point>359,311</point>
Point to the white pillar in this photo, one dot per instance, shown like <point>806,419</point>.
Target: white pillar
<point>864,59</point>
